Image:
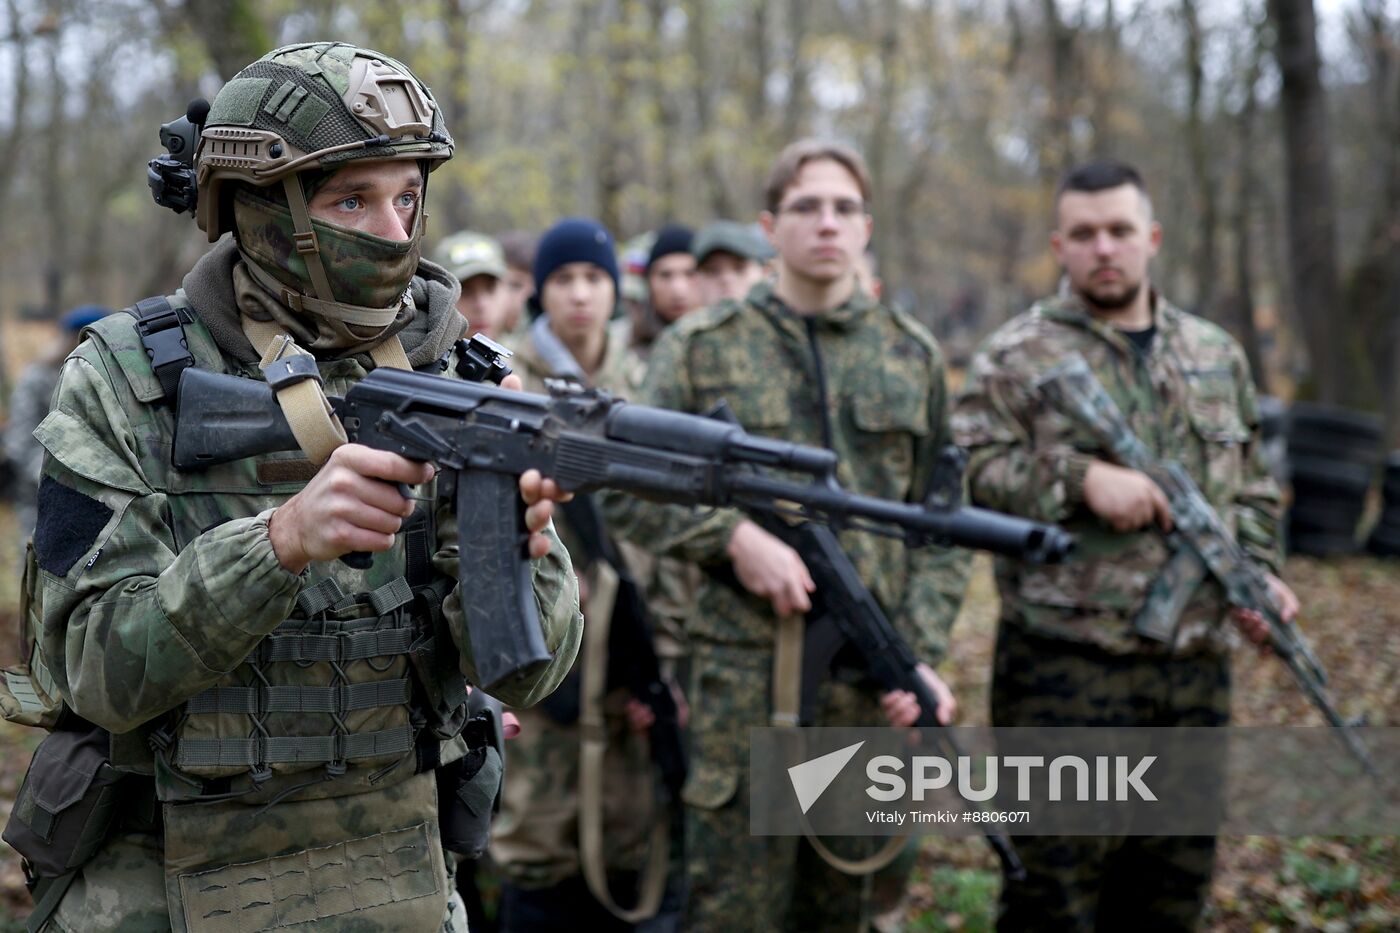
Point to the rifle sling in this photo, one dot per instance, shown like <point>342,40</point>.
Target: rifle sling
<point>886,854</point>
<point>593,747</point>
<point>304,403</point>
<point>788,637</point>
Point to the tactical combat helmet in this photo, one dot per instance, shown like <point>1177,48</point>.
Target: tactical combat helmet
<point>313,105</point>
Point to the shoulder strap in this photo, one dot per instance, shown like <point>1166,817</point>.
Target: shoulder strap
<point>593,746</point>
<point>162,330</point>
<point>301,395</point>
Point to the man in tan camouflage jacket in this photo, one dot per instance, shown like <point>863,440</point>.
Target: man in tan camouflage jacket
<point>1067,653</point>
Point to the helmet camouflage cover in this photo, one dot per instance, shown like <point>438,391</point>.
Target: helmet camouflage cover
<point>313,105</point>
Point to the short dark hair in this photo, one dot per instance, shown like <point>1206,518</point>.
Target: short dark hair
<point>798,154</point>
<point>519,247</point>
<point>1101,175</point>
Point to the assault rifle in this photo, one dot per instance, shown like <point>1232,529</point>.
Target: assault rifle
<point>1203,545</point>
<point>583,440</point>
<point>847,628</point>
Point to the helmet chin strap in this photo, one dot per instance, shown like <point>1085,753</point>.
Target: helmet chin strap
<point>309,248</point>
<point>307,245</point>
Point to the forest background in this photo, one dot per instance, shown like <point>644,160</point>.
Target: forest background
<point>1268,130</point>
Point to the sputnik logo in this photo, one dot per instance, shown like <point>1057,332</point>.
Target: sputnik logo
<point>810,779</point>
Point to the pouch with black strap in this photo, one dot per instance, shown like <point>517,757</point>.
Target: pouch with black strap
<point>67,803</point>
<point>469,789</point>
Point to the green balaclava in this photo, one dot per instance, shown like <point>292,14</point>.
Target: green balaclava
<point>368,275</point>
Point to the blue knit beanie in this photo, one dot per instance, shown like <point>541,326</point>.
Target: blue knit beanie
<point>82,316</point>
<point>575,239</point>
<point>672,238</point>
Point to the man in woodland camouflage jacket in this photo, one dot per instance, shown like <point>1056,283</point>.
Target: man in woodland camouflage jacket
<point>1067,653</point>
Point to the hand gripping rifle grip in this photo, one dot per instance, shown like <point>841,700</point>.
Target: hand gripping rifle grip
<point>503,619</point>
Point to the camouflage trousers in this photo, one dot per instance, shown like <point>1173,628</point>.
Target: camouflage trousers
<point>739,881</point>
<point>1088,883</point>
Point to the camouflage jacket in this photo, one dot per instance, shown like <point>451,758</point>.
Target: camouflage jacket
<point>1190,398</point>
<point>156,584</point>
<point>862,379</point>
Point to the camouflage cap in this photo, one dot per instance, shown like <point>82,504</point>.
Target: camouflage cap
<point>314,105</point>
<point>469,253</point>
<point>730,236</point>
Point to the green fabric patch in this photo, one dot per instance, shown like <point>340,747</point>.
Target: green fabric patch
<point>278,96</point>
<point>284,112</point>
<point>238,102</point>
<point>308,115</point>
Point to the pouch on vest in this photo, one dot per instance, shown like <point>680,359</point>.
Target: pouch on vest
<point>28,695</point>
<point>67,802</point>
<point>365,861</point>
<point>469,789</point>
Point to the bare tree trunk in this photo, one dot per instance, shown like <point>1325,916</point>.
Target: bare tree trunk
<point>10,150</point>
<point>799,72</point>
<point>1202,164</point>
<point>1374,290</point>
<point>668,119</point>
<point>231,30</point>
<point>611,168</point>
<point>1057,147</point>
<point>1312,240</point>
<point>1246,185</point>
<point>884,95</point>
<point>1107,93</point>
<point>720,200</point>
<point>761,56</point>
<point>54,182</point>
<point>11,144</point>
<point>456,104</point>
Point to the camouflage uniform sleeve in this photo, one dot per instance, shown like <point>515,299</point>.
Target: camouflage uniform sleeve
<point>556,597</point>
<point>131,628</point>
<point>1005,471</point>
<point>937,576</point>
<point>1258,504</point>
<point>699,536</point>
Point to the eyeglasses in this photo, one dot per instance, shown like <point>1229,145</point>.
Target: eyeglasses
<point>811,210</point>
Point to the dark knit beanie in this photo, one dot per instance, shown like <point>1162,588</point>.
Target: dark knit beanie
<point>672,238</point>
<point>575,239</point>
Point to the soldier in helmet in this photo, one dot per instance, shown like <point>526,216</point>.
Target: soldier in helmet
<point>281,731</point>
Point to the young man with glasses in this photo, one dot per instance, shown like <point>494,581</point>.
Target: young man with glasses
<point>806,357</point>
